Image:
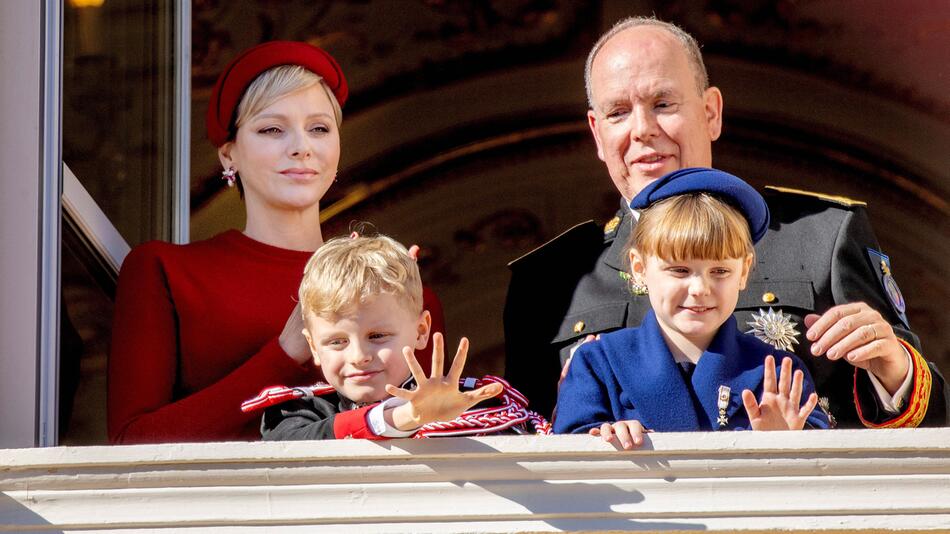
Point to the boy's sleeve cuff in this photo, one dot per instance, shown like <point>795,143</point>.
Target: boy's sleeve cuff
<point>377,420</point>
<point>353,424</point>
<point>916,407</point>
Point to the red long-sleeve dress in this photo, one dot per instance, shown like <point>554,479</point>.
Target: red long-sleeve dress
<point>195,333</point>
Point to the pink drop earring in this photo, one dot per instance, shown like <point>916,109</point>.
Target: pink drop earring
<point>229,175</point>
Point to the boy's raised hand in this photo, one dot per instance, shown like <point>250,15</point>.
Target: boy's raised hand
<point>628,433</point>
<point>436,398</point>
<point>779,407</point>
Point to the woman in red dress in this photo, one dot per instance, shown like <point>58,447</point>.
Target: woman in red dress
<point>201,327</point>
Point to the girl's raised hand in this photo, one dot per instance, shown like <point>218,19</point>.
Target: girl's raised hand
<point>779,408</point>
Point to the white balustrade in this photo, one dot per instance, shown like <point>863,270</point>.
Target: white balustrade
<point>812,480</point>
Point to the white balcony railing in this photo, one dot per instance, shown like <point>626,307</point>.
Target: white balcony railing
<point>813,480</point>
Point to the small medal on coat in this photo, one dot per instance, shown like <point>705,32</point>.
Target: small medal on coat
<point>775,328</point>
<point>723,405</point>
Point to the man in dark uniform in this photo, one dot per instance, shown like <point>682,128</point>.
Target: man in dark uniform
<point>652,111</point>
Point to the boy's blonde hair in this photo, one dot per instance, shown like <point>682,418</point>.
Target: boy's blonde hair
<point>692,226</point>
<point>346,271</point>
<point>273,84</point>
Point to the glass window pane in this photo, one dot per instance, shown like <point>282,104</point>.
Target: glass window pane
<point>118,95</point>
<point>118,139</point>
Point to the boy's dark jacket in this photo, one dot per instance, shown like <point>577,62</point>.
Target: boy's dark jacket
<point>313,416</point>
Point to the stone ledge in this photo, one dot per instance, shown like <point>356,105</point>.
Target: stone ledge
<point>813,480</point>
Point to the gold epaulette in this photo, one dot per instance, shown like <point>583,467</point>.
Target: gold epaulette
<point>919,400</point>
<point>844,201</point>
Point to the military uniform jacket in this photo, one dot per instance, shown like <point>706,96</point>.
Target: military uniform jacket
<point>316,416</point>
<point>817,253</point>
<point>630,374</point>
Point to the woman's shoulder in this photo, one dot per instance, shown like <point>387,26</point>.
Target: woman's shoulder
<point>158,250</point>
<point>160,256</point>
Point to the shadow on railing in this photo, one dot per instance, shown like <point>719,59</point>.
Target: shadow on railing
<point>590,508</point>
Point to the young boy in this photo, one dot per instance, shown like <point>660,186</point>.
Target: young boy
<point>687,365</point>
<point>361,301</point>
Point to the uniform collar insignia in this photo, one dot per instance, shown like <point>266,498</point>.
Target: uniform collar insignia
<point>775,328</point>
<point>616,256</point>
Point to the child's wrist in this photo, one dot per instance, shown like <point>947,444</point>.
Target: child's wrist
<point>401,417</point>
<point>381,423</point>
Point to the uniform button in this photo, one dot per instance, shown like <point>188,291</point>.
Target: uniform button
<point>579,327</point>
<point>768,297</point>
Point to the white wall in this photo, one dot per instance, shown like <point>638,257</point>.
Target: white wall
<point>21,132</point>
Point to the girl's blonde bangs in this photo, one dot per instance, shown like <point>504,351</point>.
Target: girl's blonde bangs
<point>692,226</point>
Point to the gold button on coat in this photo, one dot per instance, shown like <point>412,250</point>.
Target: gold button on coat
<point>579,327</point>
<point>768,297</point>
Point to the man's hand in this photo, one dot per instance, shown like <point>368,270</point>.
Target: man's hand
<point>567,364</point>
<point>779,407</point>
<point>861,336</point>
<point>436,398</point>
<point>628,433</point>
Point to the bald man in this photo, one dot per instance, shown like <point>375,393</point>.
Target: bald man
<point>821,286</point>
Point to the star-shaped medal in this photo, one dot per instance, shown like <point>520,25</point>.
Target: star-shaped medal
<point>775,328</point>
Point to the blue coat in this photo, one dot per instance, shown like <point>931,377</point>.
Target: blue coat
<point>630,374</point>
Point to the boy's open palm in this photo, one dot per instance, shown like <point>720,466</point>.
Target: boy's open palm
<point>437,397</point>
<point>779,408</point>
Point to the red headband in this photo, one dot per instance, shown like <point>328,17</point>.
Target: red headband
<point>250,64</point>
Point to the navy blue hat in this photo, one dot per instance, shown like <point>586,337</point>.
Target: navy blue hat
<point>729,188</point>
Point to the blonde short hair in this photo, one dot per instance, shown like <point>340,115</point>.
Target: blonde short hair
<point>692,226</point>
<point>276,83</point>
<point>347,271</point>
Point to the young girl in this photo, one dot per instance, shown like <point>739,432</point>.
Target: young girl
<point>688,367</point>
